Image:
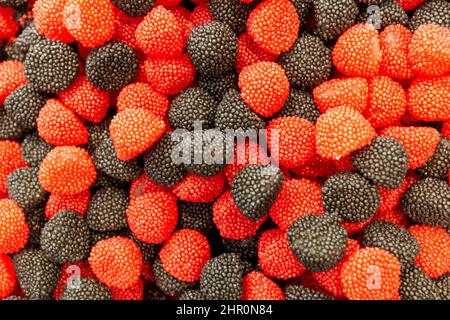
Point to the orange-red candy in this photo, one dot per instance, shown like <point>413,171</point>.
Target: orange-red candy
<point>296,198</point>
<point>49,20</point>
<point>152,217</point>
<point>371,274</point>
<point>12,76</point>
<point>59,126</point>
<point>429,50</point>
<point>133,131</point>
<point>13,227</point>
<point>87,101</point>
<point>201,15</point>
<point>249,53</point>
<point>7,276</point>
<point>419,142</point>
<point>348,92</point>
<point>357,51</point>
<point>77,203</point>
<point>67,171</point>
<point>135,292</point>
<point>116,262</point>
<point>256,286</point>
<point>276,258</point>
<point>390,198</point>
<point>230,221</point>
<point>429,98</point>
<point>160,35</point>
<point>194,188</point>
<point>395,216</point>
<point>184,254</point>
<point>434,249</point>
<point>72,270</point>
<point>264,87</point>
<point>394,45</point>
<point>8,25</point>
<point>340,131</point>
<point>274,25</point>
<point>10,160</point>
<point>92,23</point>
<point>170,76</point>
<point>144,185</point>
<point>387,102</point>
<point>410,4</point>
<point>141,96</point>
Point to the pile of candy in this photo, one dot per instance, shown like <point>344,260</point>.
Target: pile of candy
<point>125,172</point>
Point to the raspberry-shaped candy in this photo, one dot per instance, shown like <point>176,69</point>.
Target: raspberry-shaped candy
<point>357,51</point>
<point>371,274</point>
<point>87,101</point>
<point>49,20</point>
<point>135,130</point>
<point>201,15</point>
<point>390,198</point>
<point>297,198</point>
<point>194,188</point>
<point>429,99</point>
<point>160,35</point>
<point>276,258</point>
<point>291,140</point>
<point>419,142</point>
<point>395,216</point>
<point>116,262</point>
<point>14,231</point>
<point>170,76</point>
<point>256,286</point>
<point>135,292</point>
<point>12,76</point>
<point>330,280</point>
<point>434,249</point>
<point>169,3</point>
<point>58,125</point>
<point>348,92</point>
<point>92,23</point>
<point>67,171</point>
<point>340,131</point>
<point>77,203</point>
<point>274,25</point>
<point>7,276</point>
<point>152,217</point>
<point>126,31</point>
<point>394,45</point>
<point>249,53</point>
<point>10,160</point>
<point>141,96</point>
<point>264,87</point>
<point>429,50</point>
<point>230,221</point>
<point>387,102</point>
<point>184,255</point>
<point>8,25</point>
<point>410,4</point>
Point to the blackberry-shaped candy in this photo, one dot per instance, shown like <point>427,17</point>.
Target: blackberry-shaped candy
<point>86,289</point>
<point>134,8</point>
<point>112,66</point>
<point>232,12</point>
<point>218,87</point>
<point>34,149</point>
<point>317,241</point>
<point>398,241</point>
<point>191,106</point>
<point>212,48</point>
<point>431,12</point>
<point>438,165</point>
<point>24,104</point>
<point>384,162</point>
<point>167,283</point>
<point>106,211</point>
<point>28,38</point>
<point>36,274</point>
<point>24,188</point>
<point>300,104</point>
<point>35,221</point>
<point>192,295</point>
<point>234,114</point>
<point>351,196</point>
<point>9,129</point>
<point>159,165</point>
<point>307,63</point>
<point>195,216</point>
<point>255,188</point>
<point>390,12</point>
<point>443,283</point>
<point>427,201</point>
<point>51,66</point>
<point>297,292</point>
<point>416,285</point>
<point>221,278</point>
<point>66,238</point>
